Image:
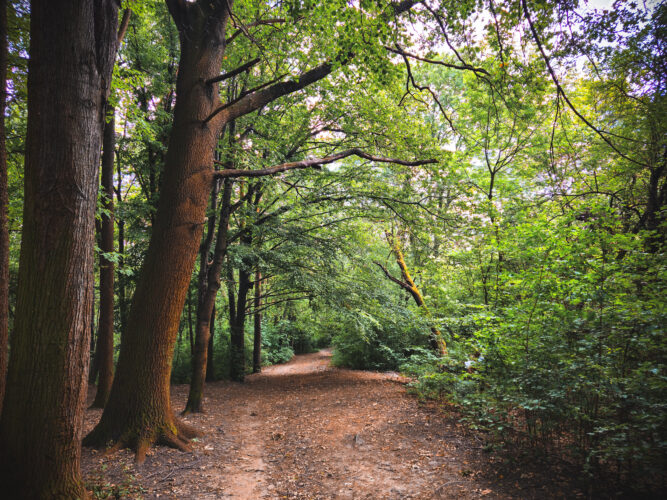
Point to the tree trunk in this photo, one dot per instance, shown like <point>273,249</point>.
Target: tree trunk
<point>237,327</point>
<point>122,301</point>
<point>4,206</point>
<point>237,321</point>
<point>72,49</point>
<point>257,340</point>
<point>104,352</point>
<point>139,410</point>
<point>436,340</point>
<point>205,307</point>
<point>191,336</point>
<point>210,353</point>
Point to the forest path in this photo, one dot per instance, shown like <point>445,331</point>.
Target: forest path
<point>307,430</point>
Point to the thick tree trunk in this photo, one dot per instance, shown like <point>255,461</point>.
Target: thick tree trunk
<point>257,339</point>
<point>139,410</point>
<point>104,352</point>
<point>72,49</point>
<point>4,202</point>
<point>205,307</point>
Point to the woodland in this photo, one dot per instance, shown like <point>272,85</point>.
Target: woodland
<point>470,193</point>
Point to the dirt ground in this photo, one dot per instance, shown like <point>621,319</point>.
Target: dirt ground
<point>310,431</point>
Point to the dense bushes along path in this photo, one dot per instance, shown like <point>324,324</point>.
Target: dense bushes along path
<point>307,430</point>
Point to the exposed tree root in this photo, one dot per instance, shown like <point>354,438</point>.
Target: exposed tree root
<point>173,441</point>
<point>115,448</point>
<point>176,435</point>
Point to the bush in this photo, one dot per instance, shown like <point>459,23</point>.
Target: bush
<point>276,346</point>
<point>381,341</point>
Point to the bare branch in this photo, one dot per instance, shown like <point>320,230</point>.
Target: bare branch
<point>463,67</point>
<point>392,278</point>
<point>261,22</point>
<point>316,162</point>
<point>561,91</point>
<point>411,79</point>
<point>234,72</point>
<point>124,23</point>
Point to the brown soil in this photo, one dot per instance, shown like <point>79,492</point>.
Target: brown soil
<point>307,430</point>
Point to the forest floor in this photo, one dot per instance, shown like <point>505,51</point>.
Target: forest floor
<point>310,431</point>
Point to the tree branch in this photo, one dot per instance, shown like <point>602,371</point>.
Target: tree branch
<point>464,67</point>
<point>234,72</point>
<point>124,23</point>
<point>263,96</point>
<point>262,22</point>
<point>316,162</point>
<point>395,280</point>
<point>561,91</point>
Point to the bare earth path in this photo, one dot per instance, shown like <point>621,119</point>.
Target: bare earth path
<point>307,430</point>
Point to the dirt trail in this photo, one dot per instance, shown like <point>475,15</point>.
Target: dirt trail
<point>307,430</point>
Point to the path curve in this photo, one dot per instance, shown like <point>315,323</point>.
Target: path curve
<point>310,431</point>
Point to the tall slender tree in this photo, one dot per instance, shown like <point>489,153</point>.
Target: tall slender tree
<point>72,50</point>
<point>4,202</point>
<point>206,304</point>
<point>104,347</point>
<point>257,317</point>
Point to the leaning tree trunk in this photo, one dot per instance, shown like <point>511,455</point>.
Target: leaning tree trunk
<point>139,410</point>
<point>205,307</point>
<point>407,283</point>
<point>4,207</point>
<point>72,49</point>
<point>104,351</point>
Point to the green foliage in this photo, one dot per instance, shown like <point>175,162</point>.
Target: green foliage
<point>276,343</point>
<point>379,337</point>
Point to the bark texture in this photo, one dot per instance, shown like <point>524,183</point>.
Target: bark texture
<point>237,325</point>
<point>104,348</point>
<point>72,49</point>
<point>210,353</point>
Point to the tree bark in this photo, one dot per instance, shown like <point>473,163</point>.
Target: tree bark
<point>257,340</point>
<point>72,50</point>
<point>104,351</point>
<point>4,207</point>
<point>237,363</point>
<point>205,307</point>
